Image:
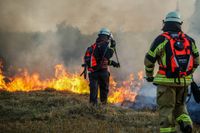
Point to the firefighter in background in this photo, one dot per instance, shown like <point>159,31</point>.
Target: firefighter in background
<point>178,57</point>
<point>97,59</point>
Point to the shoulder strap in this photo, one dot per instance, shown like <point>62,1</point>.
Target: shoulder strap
<point>166,35</point>
<point>181,34</point>
<point>93,46</point>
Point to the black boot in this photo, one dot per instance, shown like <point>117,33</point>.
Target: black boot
<point>185,128</point>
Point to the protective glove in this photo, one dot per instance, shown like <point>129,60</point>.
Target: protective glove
<point>114,64</point>
<point>6,80</point>
<point>150,79</point>
<point>113,43</point>
<point>111,36</point>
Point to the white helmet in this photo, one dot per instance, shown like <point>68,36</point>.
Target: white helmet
<point>104,31</point>
<point>173,16</point>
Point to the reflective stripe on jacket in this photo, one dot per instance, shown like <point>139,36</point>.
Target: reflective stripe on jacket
<point>157,52</point>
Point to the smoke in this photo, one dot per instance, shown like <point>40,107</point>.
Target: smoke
<point>41,51</point>
<point>38,34</point>
<point>195,19</point>
<point>87,15</point>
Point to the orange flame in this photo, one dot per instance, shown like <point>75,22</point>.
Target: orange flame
<point>65,81</point>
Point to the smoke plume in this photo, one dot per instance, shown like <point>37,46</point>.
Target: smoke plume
<point>87,15</point>
<point>37,34</point>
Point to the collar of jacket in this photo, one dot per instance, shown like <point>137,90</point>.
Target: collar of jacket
<point>172,27</point>
<point>101,39</point>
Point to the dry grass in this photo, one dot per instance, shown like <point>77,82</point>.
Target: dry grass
<point>62,112</point>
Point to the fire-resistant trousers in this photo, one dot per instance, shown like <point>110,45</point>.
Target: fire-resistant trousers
<point>99,79</point>
<point>172,108</point>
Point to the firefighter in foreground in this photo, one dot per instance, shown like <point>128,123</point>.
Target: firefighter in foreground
<point>178,57</point>
<point>97,59</point>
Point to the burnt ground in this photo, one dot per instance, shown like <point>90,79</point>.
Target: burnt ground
<point>51,111</point>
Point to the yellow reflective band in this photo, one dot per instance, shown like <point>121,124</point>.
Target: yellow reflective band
<point>194,48</point>
<point>109,63</point>
<point>149,68</point>
<point>195,51</point>
<point>167,130</point>
<point>112,48</point>
<point>172,80</point>
<point>161,47</point>
<point>162,79</point>
<point>151,53</point>
<point>184,118</point>
<point>163,59</point>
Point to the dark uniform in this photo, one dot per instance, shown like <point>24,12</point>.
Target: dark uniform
<point>97,58</point>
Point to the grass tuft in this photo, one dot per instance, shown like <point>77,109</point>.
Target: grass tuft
<point>52,111</point>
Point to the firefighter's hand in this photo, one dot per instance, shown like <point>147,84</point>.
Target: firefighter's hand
<point>6,80</point>
<point>115,64</point>
<point>83,65</point>
<point>149,79</point>
<point>113,43</point>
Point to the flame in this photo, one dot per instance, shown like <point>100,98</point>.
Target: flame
<point>65,81</point>
<point>127,91</point>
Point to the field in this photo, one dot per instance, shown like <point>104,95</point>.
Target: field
<point>51,111</point>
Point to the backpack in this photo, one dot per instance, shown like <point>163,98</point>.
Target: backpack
<point>94,58</point>
<point>179,58</point>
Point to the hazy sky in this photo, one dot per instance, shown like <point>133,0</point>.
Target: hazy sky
<point>88,15</point>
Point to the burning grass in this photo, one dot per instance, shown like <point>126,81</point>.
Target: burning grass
<point>65,81</point>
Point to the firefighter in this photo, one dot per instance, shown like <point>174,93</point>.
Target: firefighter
<point>178,57</point>
<point>97,59</point>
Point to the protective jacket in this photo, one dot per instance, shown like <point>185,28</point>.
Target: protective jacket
<point>97,56</point>
<point>177,57</point>
<point>162,50</point>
